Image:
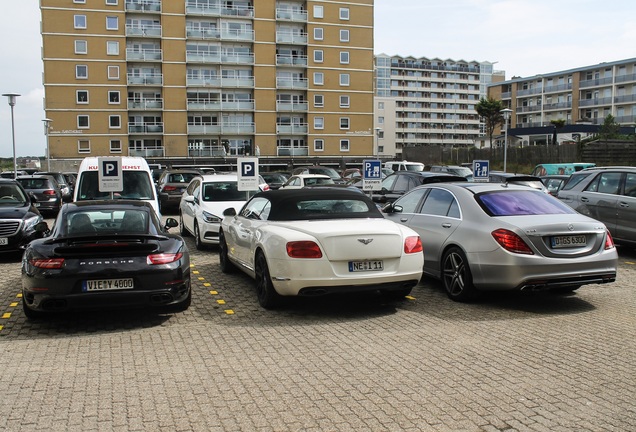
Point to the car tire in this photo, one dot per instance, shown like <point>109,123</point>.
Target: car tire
<point>30,313</point>
<point>227,266</point>
<point>268,298</point>
<point>395,295</point>
<point>197,237</point>
<point>456,276</point>
<point>182,228</point>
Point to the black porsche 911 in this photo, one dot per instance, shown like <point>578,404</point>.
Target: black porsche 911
<point>106,255</point>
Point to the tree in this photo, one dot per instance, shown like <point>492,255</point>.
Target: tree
<point>610,129</point>
<point>490,112</point>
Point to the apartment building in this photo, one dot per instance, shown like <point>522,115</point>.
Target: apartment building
<point>208,78</point>
<point>424,102</point>
<point>583,97</point>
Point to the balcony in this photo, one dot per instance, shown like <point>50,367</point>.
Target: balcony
<point>596,82</point>
<point>595,102</point>
<point>230,128</point>
<point>625,98</point>
<point>288,60</point>
<point>145,128</point>
<point>203,57</point>
<point>292,106</point>
<point>146,79</point>
<point>212,151</point>
<point>526,109</point>
<point>237,35</point>
<point>625,78</point>
<point>557,88</point>
<point>193,7</point>
<point>148,30</point>
<point>291,37</point>
<point>217,81</point>
<point>291,83</point>
<point>526,92</point>
<point>557,106</point>
<point>133,54</point>
<point>147,152</point>
<point>292,151</point>
<point>145,104</point>
<point>143,5</point>
<point>292,129</point>
<point>237,58</point>
<point>244,105</point>
<point>287,14</point>
<point>203,33</point>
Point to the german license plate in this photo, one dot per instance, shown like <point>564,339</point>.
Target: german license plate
<point>365,266</point>
<point>569,241</point>
<point>107,284</point>
<point>4,241</point>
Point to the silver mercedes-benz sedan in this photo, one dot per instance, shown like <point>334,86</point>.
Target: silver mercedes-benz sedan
<point>485,236</point>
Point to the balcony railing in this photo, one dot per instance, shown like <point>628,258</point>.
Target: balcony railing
<point>147,79</point>
<point>291,83</point>
<point>147,152</point>
<point>557,88</point>
<point>595,101</point>
<point>525,109</point>
<point>212,151</point>
<point>625,98</point>
<point>292,151</point>
<point>216,81</point>
<point>292,106</point>
<point>203,57</point>
<point>624,78</point>
<point>194,7</point>
<point>143,5</point>
<point>145,104</point>
<point>526,92</point>
<point>237,58</point>
<point>237,35</point>
<point>291,37</point>
<point>235,128</point>
<point>291,14</point>
<point>300,60</point>
<point>291,129</point>
<point>146,30</point>
<point>558,105</point>
<point>145,128</point>
<point>143,55</point>
<point>596,82</point>
<point>244,105</point>
<point>199,33</point>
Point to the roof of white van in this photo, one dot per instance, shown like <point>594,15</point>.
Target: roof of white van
<point>128,163</point>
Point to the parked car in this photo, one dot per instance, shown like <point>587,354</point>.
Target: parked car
<point>106,255</point>
<point>202,205</point>
<point>65,187</point>
<point>18,217</point>
<point>299,181</point>
<point>12,174</point>
<point>487,236</point>
<point>554,182</point>
<point>317,169</point>
<point>350,173</point>
<point>274,179</point>
<point>453,169</point>
<point>560,168</point>
<point>606,194</point>
<point>46,191</point>
<point>520,179</point>
<point>404,166</point>
<point>400,182</point>
<point>275,239</point>
<point>171,185</point>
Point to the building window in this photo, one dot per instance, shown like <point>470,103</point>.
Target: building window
<point>344,80</point>
<point>344,145</point>
<point>79,1</point>
<point>318,33</point>
<point>344,14</point>
<point>380,134</point>
<point>319,145</point>
<point>319,12</point>
<point>82,122</point>
<point>344,101</point>
<point>113,72</point>
<point>79,21</point>
<point>380,105</point>
<point>319,122</point>
<point>319,78</point>
<point>114,122</point>
<point>344,57</point>
<point>380,120</point>
<point>83,146</point>
<point>319,101</point>
<point>344,122</point>
<point>81,47</point>
<point>81,96</point>
<point>112,48</point>
<point>318,56</point>
<point>344,35</point>
<point>113,97</point>
<point>81,72</point>
<point>115,146</point>
<point>113,3</point>
<point>112,23</point>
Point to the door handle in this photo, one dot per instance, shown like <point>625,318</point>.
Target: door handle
<point>404,219</point>
<point>446,225</point>
<point>584,199</point>
<point>623,204</point>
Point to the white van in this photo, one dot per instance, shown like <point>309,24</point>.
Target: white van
<point>136,176</point>
<point>404,166</point>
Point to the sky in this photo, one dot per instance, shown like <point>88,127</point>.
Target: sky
<point>522,37</point>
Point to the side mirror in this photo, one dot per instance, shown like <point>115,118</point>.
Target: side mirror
<point>229,212</point>
<point>41,227</point>
<point>171,223</point>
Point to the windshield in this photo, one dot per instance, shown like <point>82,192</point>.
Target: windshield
<point>11,194</point>
<point>224,191</point>
<point>137,185</point>
<point>106,221</point>
<point>519,203</point>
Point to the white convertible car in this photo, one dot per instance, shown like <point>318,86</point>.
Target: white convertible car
<point>308,242</point>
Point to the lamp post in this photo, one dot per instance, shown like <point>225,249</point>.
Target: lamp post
<point>506,113</point>
<point>377,141</point>
<point>47,125</point>
<point>12,97</point>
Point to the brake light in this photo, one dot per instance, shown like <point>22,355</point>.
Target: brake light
<point>511,242</point>
<point>47,263</point>
<point>413,244</point>
<point>169,188</point>
<point>49,192</point>
<point>164,258</point>
<point>265,187</point>
<point>609,241</point>
<point>303,249</point>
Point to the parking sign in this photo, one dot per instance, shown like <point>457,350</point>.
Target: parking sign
<point>371,175</point>
<point>248,174</point>
<point>109,174</point>
<point>481,170</point>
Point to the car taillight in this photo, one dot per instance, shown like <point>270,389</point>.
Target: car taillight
<point>164,258</point>
<point>265,187</point>
<point>47,263</point>
<point>609,241</point>
<point>169,188</point>
<point>413,244</point>
<point>303,249</point>
<point>511,242</point>
<point>49,192</point>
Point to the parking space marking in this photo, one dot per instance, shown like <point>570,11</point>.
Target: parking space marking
<point>212,292</point>
<point>410,297</point>
<point>6,315</point>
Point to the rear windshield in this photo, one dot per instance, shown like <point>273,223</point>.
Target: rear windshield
<point>35,183</point>
<point>300,209</point>
<point>224,191</point>
<point>521,203</point>
<point>181,177</point>
<point>137,185</point>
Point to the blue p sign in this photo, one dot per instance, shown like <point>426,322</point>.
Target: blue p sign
<point>248,169</point>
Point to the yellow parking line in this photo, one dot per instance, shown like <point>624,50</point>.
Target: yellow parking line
<point>221,302</point>
<point>229,311</point>
<point>6,315</point>
<point>410,298</point>
<point>19,295</point>
<point>214,292</point>
<point>14,304</point>
<point>201,278</point>
<point>1,327</point>
<point>629,262</point>
<point>207,284</point>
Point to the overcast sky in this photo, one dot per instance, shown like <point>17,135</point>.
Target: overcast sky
<point>524,37</point>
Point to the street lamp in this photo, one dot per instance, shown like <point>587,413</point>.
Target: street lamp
<point>506,113</point>
<point>377,140</point>
<point>12,97</point>
<point>47,125</point>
